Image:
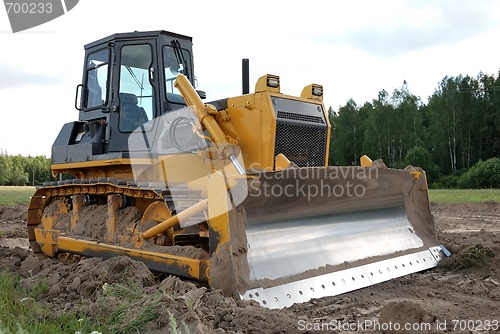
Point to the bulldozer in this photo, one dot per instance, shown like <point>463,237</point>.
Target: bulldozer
<point>236,193</point>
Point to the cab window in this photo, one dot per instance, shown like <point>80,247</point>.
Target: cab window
<point>97,78</point>
<point>136,92</point>
<point>175,61</point>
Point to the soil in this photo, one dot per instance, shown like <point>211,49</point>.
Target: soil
<point>443,300</point>
<point>92,226</point>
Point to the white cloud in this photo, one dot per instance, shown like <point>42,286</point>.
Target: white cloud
<point>405,28</point>
<point>12,77</point>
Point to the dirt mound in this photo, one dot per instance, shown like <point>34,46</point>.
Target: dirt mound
<point>401,313</point>
<point>470,257</point>
<point>83,279</point>
<point>203,310</point>
<point>12,258</point>
<point>125,286</point>
<point>13,225</point>
<point>13,213</point>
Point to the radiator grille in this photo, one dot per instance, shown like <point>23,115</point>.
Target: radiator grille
<point>299,117</point>
<point>305,145</point>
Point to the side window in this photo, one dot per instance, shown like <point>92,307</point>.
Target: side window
<point>97,77</point>
<point>175,61</point>
<point>136,92</point>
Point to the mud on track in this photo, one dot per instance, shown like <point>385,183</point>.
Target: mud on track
<point>460,299</point>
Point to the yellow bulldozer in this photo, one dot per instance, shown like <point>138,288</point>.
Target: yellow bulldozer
<point>236,193</point>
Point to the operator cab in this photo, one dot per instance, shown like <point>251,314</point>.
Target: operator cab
<point>140,64</point>
<point>128,81</point>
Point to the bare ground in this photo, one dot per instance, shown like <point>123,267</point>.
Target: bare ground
<point>445,299</point>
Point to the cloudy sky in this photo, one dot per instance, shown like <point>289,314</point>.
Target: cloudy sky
<point>353,48</point>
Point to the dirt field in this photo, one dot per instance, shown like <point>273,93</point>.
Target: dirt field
<point>446,299</point>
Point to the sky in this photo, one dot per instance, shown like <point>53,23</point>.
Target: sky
<point>353,48</point>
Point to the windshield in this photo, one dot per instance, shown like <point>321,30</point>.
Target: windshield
<point>136,92</point>
<point>175,61</point>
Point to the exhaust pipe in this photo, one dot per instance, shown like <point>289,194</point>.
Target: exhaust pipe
<point>245,70</point>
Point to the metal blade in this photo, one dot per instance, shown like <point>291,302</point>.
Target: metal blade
<point>303,231</point>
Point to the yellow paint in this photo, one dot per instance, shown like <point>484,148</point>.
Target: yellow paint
<point>192,267</point>
<point>78,203</point>
<point>307,92</point>
<point>173,221</point>
<point>262,84</point>
<point>365,161</point>
<point>416,174</point>
<point>205,113</point>
<point>114,203</point>
<point>282,162</point>
<point>47,240</point>
<point>218,207</point>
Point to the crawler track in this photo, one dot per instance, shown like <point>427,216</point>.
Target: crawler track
<point>77,210</point>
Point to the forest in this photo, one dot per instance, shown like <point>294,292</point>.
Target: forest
<point>454,136</point>
<point>16,170</point>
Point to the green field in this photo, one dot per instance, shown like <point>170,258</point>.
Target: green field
<point>21,195</point>
<point>464,195</point>
<point>12,196</point>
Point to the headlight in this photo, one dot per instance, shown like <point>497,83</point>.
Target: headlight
<point>313,91</point>
<point>269,83</point>
<point>273,81</point>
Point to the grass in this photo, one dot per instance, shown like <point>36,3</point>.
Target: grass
<point>464,195</point>
<point>138,309</point>
<point>12,196</point>
<point>7,233</point>
<point>21,313</point>
<point>475,256</point>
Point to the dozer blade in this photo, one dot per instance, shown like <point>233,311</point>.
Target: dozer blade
<point>312,232</point>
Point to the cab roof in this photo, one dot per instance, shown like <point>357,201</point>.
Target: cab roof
<point>136,34</point>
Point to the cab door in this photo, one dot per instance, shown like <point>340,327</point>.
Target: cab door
<point>135,101</point>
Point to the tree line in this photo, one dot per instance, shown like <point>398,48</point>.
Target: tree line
<point>458,127</point>
<point>17,170</point>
